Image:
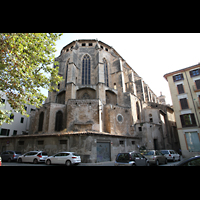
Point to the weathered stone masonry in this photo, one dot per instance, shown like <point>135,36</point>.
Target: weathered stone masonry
<point>102,97</point>
<point>84,143</point>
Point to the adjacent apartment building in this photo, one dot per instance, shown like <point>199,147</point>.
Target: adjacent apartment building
<point>184,86</point>
<point>20,124</point>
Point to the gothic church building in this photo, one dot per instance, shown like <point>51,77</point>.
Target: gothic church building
<point>100,93</point>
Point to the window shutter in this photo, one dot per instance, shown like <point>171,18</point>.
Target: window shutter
<point>181,76</point>
<point>178,77</point>
<point>182,121</point>
<point>198,83</point>
<point>195,72</point>
<point>193,120</point>
<point>180,89</point>
<point>191,74</point>
<point>184,104</point>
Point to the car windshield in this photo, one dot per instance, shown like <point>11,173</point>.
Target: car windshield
<point>123,156</point>
<point>165,151</point>
<point>75,154</point>
<point>147,153</point>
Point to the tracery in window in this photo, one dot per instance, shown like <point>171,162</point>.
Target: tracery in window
<point>86,70</point>
<point>66,73</point>
<point>105,72</point>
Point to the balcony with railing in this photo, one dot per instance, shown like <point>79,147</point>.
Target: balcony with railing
<point>195,88</point>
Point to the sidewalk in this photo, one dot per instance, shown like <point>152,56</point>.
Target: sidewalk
<point>107,163</point>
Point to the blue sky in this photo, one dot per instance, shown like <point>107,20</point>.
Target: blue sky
<point>151,55</point>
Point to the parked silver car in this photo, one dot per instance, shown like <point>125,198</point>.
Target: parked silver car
<point>131,159</point>
<point>171,155</point>
<point>65,158</point>
<point>33,156</point>
<point>155,157</point>
<point>10,155</point>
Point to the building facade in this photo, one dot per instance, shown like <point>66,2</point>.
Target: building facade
<point>103,96</point>
<point>184,86</point>
<point>20,124</point>
<point>99,92</point>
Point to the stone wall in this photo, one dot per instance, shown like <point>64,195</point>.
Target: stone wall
<point>83,143</point>
<point>117,119</point>
<point>83,115</point>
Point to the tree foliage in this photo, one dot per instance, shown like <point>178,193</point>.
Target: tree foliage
<point>26,67</point>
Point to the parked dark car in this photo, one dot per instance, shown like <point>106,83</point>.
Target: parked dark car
<point>131,159</point>
<point>10,155</point>
<point>193,161</point>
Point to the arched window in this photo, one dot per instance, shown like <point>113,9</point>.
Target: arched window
<point>138,111</point>
<point>41,119</point>
<point>105,72</point>
<point>59,119</point>
<point>66,73</point>
<point>86,70</point>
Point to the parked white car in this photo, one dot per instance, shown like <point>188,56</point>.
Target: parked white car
<point>171,155</point>
<point>33,156</point>
<point>65,158</point>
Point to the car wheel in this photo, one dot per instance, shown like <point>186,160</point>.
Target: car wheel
<point>48,162</point>
<point>157,162</point>
<point>9,159</point>
<point>35,161</point>
<point>165,161</point>
<point>173,159</point>
<point>68,163</point>
<point>147,164</point>
<point>19,160</point>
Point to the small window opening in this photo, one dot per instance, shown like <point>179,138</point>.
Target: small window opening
<point>121,142</point>
<point>115,87</point>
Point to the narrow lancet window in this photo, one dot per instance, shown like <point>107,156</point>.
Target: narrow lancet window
<point>66,73</point>
<point>86,70</point>
<point>105,72</point>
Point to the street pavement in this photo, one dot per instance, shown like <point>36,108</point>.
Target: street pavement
<point>108,163</point>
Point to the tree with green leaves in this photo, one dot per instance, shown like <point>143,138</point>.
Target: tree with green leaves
<point>26,66</point>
